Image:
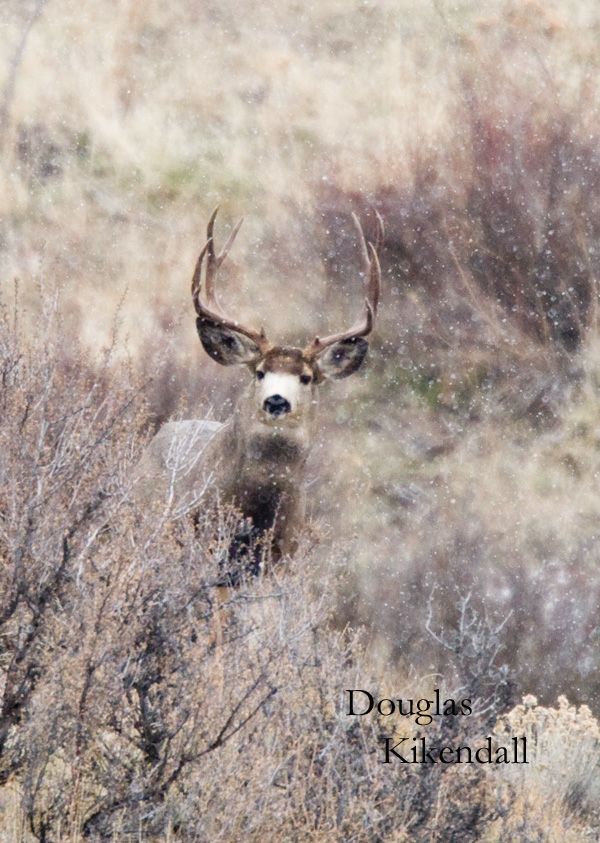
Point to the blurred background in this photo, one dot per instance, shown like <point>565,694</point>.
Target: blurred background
<point>464,459</point>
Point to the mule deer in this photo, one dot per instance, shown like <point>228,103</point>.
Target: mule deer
<point>258,456</point>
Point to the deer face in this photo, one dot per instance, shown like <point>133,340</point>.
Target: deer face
<point>284,378</point>
<point>284,385</point>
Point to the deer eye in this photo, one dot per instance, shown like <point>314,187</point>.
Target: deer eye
<point>305,379</point>
<point>259,375</point>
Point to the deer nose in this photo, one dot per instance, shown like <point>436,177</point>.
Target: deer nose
<point>276,405</point>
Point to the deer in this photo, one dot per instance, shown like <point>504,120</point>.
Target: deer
<point>257,458</point>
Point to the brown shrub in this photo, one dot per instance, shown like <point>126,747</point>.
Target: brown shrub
<point>121,715</point>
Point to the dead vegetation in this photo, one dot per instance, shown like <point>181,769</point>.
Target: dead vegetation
<point>122,719</point>
<point>463,464</point>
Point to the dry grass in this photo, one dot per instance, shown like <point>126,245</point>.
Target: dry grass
<point>122,716</point>
<point>463,461</point>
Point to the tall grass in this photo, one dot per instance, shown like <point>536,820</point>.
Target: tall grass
<point>454,482</point>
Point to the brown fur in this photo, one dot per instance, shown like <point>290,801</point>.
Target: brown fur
<point>290,360</point>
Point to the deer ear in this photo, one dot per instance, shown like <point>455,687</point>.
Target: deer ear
<point>343,359</point>
<point>224,345</point>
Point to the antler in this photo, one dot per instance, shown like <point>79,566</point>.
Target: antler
<point>372,286</point>
<point>213,312</point>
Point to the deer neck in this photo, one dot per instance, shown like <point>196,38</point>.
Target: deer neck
<point>266,455</point>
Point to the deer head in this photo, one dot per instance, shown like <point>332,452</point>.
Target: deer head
<point>285,378</point>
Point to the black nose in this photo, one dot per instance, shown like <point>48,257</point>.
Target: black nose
<point>277,405</point>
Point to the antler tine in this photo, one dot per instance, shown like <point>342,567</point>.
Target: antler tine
<point>229,242</point>
<point>214,261</point>
<point>213,312</point>
<point>374,284</point>
<point>372,287</point>
<point>197,277</point>
<point>380,231</point>
<point>362,240</point>
<point>370,253</point>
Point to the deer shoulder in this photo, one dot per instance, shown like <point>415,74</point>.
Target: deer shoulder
<point>176,465</point>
